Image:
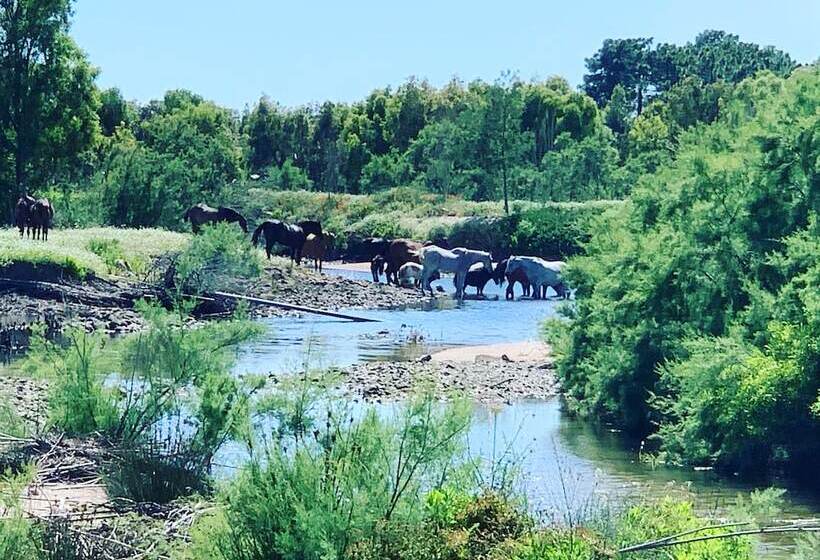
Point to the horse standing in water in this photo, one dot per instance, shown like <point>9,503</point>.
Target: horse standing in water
<point>516,276</point>
<point>478,276</point>
<point>202,214</point>
<point>22,213</point>
<point>291,236</point>
<point>458,261</point>
<point>40,217</point>
<point>541,274</point>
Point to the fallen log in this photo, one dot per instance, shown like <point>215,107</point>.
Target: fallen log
<point>293,307</point>
<point>60,292</point>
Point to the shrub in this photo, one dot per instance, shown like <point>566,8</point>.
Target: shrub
<point>324,484</point>
<point>166,393</point>
<point>216,258</point>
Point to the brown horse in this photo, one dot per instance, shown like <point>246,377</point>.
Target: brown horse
<point>399,252</point>
<point>40,217</point>
<point>291,236</point>
<point>202,214</point>
<point>516,276</point>
<point>316,247</point>
<point>22,212</point>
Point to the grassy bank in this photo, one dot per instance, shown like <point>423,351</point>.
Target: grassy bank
<point>101,250</point>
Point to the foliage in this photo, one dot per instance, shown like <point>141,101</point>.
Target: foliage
<point>644,523</point>
<point>48,101</point>
<point>697,308</point>
<point>166,393</point>
<point>19,537</point>
<point>216,258</point>
<point>325,479</point>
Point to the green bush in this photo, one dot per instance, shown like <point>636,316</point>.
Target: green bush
<point>719,244</point>
<point>168,379</point>
<point>215,259</point>
<point>321,485</point>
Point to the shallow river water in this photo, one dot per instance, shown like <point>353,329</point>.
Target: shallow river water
<point>568,467</point>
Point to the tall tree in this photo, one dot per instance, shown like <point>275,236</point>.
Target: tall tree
<point>502,127</point>
<point>47,97</point>
<point>620,61</point>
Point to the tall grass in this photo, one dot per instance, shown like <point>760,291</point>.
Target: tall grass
<point>81,251</point>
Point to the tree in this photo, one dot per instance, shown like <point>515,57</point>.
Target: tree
<point>625,62</point>
<point>48,101</point>
<point>114,111</point>
<point>501,130</point>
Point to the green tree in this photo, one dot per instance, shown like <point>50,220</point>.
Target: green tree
<point>501,130</point>
<point>624,62</point>
<point>48,101</point>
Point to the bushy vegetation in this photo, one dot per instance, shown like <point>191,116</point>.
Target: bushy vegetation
<point>697,315</point>
<point>165,394</point>
<point>216,259</point>
<point>327,481</point>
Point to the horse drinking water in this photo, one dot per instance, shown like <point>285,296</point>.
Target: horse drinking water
<point>541,274</point>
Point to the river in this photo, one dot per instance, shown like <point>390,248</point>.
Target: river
<point>568,467</point>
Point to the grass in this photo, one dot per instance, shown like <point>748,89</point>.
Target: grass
<point>74,249</point>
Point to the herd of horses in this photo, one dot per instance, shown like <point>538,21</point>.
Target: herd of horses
<point>402,261</point>
<point>33,217</point>
<point>411,264</point>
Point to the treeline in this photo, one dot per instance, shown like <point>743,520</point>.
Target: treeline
<point>117,162</point>
<point>697,314</point>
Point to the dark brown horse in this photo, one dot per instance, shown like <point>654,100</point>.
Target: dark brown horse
<point>517,276</point>
<point>202,214</point>
<point>291,236</point>
<point>479,276</point>
<point>40,217</point>
<point>399,252</point>
<point>311,226</point>
<point>22,212</point>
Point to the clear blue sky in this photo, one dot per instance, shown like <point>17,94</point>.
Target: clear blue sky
<point>301,51</point>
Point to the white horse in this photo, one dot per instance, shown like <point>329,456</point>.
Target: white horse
<point>458,261</point>
<point>410,275</point>
<point>541,274</point>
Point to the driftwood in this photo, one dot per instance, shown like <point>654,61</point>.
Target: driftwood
<point>293,307</point>
<point>674,540</point>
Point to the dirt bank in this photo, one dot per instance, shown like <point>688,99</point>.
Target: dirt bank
<point>484,378</point>
<point>301,286</point>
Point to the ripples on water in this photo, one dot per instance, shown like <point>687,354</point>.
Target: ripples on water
<point>568,466</point>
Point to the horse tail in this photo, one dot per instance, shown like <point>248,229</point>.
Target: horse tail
<point>187,215</point>
<point>256,233</point>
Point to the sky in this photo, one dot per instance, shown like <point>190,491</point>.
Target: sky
<point>304,51</point>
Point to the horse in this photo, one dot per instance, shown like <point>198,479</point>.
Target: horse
<point>201,214</point>
<point>457,261</point>
<point>478,276</point>
<point>377,267</point>
<point>22,211</point>
<point>40,217</point>
<point>315,247</point>
<point>289,235</point>
<point>400,251</point>
<point>541,274</point>
<point>516,276</point>
<point>410,275</point>
<point>311,227</point>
